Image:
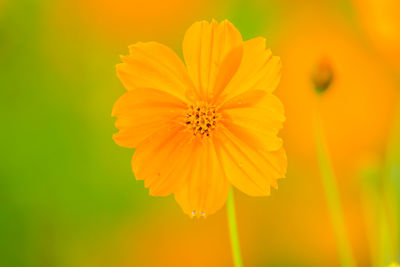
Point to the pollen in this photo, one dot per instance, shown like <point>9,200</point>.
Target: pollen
<point>201,118</point>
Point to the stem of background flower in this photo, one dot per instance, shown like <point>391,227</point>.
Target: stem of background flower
<point>386,254</point>
<point>389,201</point>
<point>332,194</point>
<point>379,233</point>
<point>369,181</point>
<point>237,257</point>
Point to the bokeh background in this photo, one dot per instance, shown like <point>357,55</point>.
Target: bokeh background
<point>67,194</point>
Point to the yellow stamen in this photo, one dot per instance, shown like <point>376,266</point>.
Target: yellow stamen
<point>201,118</point>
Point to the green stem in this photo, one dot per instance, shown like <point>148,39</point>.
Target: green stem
<point>385,242</point>
<point>237,257</point>
<point>332,195</point>
<point>369,178</point>
<point>389,202</point>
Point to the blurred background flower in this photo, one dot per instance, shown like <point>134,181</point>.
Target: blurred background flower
<point>380,21</point>
<point>67,195</point>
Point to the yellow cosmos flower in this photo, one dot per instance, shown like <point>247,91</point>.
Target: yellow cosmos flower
<point>199,128</point>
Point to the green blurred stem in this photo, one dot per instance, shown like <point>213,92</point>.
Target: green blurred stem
<point>386,252</point>
<point>237,257</point>
<point>332,194</point>
<point>389,201</point>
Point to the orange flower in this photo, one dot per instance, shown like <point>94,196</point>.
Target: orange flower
<point>197,129</point>
<point>380,21</point>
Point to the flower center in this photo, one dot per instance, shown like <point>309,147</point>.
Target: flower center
<point>201,118</point>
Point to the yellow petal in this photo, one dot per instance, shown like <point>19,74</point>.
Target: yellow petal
<point>158,160</point>
<point>142,112</point>
<point>206,188</point>
<point>153,65</point>
<point>205,46</point>
<point>228,69</point>
<point>256,116</point>
<point>248,168</point>
<point>258,70</point>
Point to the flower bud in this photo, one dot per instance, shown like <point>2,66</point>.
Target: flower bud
<point>322,75</point>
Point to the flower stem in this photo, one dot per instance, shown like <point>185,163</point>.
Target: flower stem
<point>332,195</point>
<point>237,257</point>
<point>389,201</point>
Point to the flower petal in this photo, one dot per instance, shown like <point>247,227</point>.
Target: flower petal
<point>256,116</point>
<point>258,70</point>
<point>206,188</point>
<point>153,65</point>
<point>228,69</point>
<point>159,159</point>
<point>142,112</point>
<point>250,169</point>
<point>205,46</point>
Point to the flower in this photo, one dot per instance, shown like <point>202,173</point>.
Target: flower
<point>380,21</point>
<point>200,128</point>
